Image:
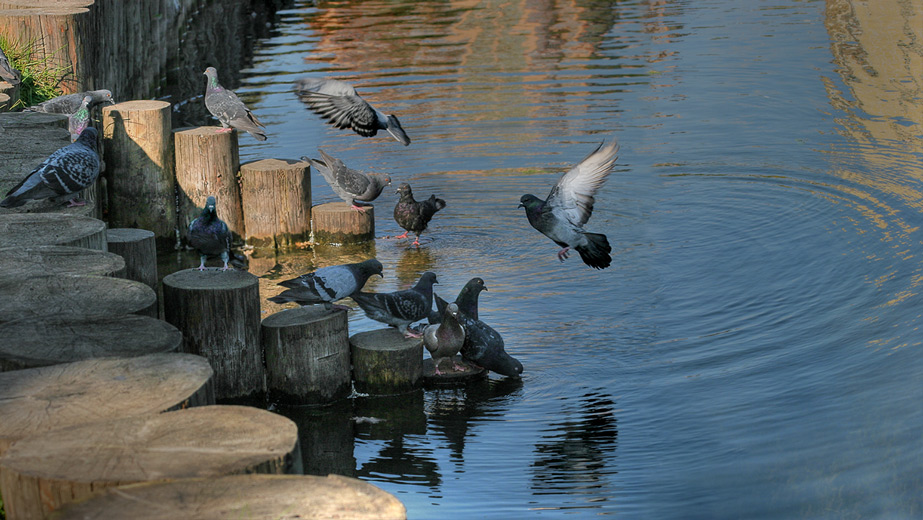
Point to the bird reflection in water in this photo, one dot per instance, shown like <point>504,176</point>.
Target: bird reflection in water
<point>412,263</point>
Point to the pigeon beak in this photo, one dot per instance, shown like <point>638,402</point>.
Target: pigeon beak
<point>520,205</point>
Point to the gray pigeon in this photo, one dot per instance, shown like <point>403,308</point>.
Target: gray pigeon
<point>210,236</point>
<point>400,308</point>
<point>340,104</point>
<point>228,109</point>
<point>414,216</point>
<point>70,103</point>
<point>7,72</point>
<point>350,185</point>
<point>62,175</point>
<point>79,120</point>
<point>328,284</point>
<point>569,205</point>
<point>445,339</point>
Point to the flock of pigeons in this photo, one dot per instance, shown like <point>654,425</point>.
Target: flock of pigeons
<point>453,327</point>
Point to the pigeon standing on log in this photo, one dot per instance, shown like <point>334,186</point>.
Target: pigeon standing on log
<point>62,175</point>
<point>340,105</point>
<point>414,216</point>
<point>445,339</point>
<point>350,185</point>
<point>569,205</point>
<point>328,284</point>
<point>79,120</point>
<point>210,236</point>
<point>400,308</point>
<point>69,103</point>
<point>228,109</point>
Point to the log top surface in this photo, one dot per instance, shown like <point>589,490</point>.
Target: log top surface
<point>383,339</point>
<point>138,104</point>
<point>21,120</point>
<point>46,260</point>
<point>272,164</point>
<point>210,279</point>
<point>197,130</point>
<point>21,229</point>
<point>299,316</point>
<point>340,207</point>
<point>128,234</point>
<point>72,295</point>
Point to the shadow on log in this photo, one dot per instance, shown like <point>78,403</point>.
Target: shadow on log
<point>70,295</point>
<point>138,248</point>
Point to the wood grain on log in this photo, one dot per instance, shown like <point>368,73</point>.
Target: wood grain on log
<point>25,262</point>
<point>38,229</point>
<point>70,295</point>
<point>277,202</point>
<point>385,362</point>
<point>338,223</point>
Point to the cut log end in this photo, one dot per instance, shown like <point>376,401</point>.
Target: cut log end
<point>385,362</point>
<point>339,223</point>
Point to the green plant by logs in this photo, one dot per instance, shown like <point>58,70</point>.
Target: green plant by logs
<point>40,77</point>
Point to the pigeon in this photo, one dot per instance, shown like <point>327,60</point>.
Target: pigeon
<point>79,120</point>
<point>328,284</point>
<point>229,109</point>
<point>62,175</point>
<point>483,346</point>
<point>445,339</point>
<point>70,103</point>
<point>7,72</point>
<point>210,236</point>
<point>340,104</point>
<point>400,308</point>
<point>414,216</point>
<point>350,185</point>
<point>569,205</point>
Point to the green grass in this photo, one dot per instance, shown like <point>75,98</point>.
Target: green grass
<point>40,78</point>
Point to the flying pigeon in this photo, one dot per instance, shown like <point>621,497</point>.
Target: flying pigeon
<point>350,185</point>
<point>328,284</point>
<point>414,216</point>
<point>62,175</point>
<point>79,120</point>
<point>229,109</point>
<point>570,204</point>
<point>70,103</point>
<point>7,72</point>
<point>483,346</point>
<point>339,103</point>
<point>445,339</point>
<point>400,308</point>
<point>210,236</point>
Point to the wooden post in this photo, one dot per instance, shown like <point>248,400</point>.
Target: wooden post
<point>207,163</point>
<point>98,389</point>
<point>243,496</point>
<point>30,343</point>
<point>218,313</point>
<point>307,355</point>
<point>385,362</point>
<point>139,167</point>
<point>34,229</point>
<point>139,249</point>
<point>70,295</point>
<point>41,473</point>
<point>25,262</point>
<point>338,223</point>
<point>277,202</point>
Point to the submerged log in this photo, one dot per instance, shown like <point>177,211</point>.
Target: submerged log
<point>70,295</point>
<point>307,355</point>
<point>30,343</point>
<point>42,399</point>
<point>218,313</point>
<point>243,496</point>
<point>41,473</point>
<point>138,248</point>
<point>277,200</point>
<point>38,229</point>
<point>25,262</point>
<point>385,362</point>
<point>338,223</point>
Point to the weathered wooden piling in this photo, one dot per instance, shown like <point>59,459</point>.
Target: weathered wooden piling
<point>72,295</point>
<point>138,153</point>
<point>138,248</point>
<point>207,162</point>
<point>276,195</point>
<point>30,343</point>
<point>37,229</point>
<point>243,496</point>
<point>42,399</point>
<point>41,473</point>
<point>25,262</point>
<point>385,362</point>
<point>338,223</point>
<point>9,95</point>
<point>218,313</point>
<point>307,355</point>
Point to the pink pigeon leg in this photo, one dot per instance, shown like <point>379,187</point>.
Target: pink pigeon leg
<point>223,130</point>
<point>562,254</point>
<point>73,203</point>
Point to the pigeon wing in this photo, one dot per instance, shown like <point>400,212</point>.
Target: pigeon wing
<point>350,111</point>
<point>573,196</point>
<point>353,182</point>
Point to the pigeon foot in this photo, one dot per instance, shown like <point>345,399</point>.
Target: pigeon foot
<point>201,268</point>
<point>402,236</point>
<point>226,268</point>
<point>459,368</point>
<point>339,307</point>
<point>563,254</point>
<point>223,130</point>
<point>73,204</point>
<point>412,334</point>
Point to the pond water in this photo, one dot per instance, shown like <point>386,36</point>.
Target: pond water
<point>753,351</point>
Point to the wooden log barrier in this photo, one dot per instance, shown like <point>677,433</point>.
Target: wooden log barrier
<point>41,473</point>
<point>138,248</point>
<point>306,497</point>
<point>307,355</point>
<point>385,362</point>
<point>38,400</point>
<point>70,295</point>
<point>218,313</point>
<point>30,343</point>
<point>138,153</point>
<point>25,262</point>
<point>207,162</point>
<point>338,223</point>
<point>277,202</point>
<point>34,229</point>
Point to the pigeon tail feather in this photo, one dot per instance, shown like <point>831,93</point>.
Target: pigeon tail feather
<point>596,251</point>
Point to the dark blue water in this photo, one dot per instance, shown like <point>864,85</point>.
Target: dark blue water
<point>755,349</point>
